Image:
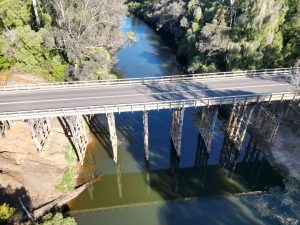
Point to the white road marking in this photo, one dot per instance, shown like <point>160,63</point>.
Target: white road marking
<point>133,95</point>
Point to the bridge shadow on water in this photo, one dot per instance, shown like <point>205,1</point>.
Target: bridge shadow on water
<point>198,188</point>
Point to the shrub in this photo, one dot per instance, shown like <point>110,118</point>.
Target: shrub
<point>6,212</point>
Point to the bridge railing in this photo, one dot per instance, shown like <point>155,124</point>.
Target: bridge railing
<point>145,80</point>
<point>146,106</point>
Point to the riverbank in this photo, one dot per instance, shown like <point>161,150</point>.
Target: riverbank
<point>213,36</point>
<point>36,177</point>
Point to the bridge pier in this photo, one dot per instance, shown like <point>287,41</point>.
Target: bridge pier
<point>40,130</point>
<point>252,153</point>
<point>269,119</point>
<point>3,126</point>
<point>78,135</point>
<point>113,135</point>
<point>229,154</point>
<point>176,130</point>
<point>201,160</point>
<point>207,124</point>
<point>202,154</point>
<point>146,135</point>
<point>238,123</point>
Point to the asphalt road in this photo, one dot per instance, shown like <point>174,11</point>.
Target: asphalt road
<point>128,94</point>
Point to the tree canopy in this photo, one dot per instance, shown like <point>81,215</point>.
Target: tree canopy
<point>228,35</point>
<point>62,39</point>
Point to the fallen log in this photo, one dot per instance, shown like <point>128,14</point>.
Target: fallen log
<point>60,201</point>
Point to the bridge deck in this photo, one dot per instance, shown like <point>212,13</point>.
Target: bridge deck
<point>137,97</point>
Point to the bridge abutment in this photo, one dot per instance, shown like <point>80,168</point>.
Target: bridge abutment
<point>176,130</point>
<point>113,135</point>
<point>40,130</point>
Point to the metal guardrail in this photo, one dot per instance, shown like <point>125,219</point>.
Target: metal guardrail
<point>91,110</point>
<point>145,80</point>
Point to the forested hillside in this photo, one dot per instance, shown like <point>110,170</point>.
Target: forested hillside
<point>228,34</point>
<point>60,39</point>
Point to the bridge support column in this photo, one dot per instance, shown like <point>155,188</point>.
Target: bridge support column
<point>146,135</point>
<point>269,119</point>
<point>176,130</point>
<point>207,124</point>
<point>3,126</point>
<point>238,123</point>
<point>252,153</point>
<point>202,154</point>
<point>113,135</point>
<point>201,159</point>
<point>229,154</point>
<point>40,130</point>
<point>78,135</point>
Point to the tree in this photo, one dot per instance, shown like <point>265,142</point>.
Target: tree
<point>14,13</point>
<point>87,31</point>
<point>231,34</point>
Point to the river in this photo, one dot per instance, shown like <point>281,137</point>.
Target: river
<point>165,190</point>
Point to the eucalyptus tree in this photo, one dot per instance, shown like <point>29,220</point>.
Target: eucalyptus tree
<point>36,14</point>
<point>88,32</point>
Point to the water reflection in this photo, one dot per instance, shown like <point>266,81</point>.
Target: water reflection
<point>149,56</point>
<point>236,171</point>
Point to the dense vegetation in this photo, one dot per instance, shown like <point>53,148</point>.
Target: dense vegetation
<point>56,219</point>
<point>60,39</point>
<point>227,35</point>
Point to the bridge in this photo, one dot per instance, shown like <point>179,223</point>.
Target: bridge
<point>70,101</point>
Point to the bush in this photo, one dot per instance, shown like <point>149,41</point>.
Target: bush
<point>6,212</point>
<point>67,182</point>
<point>56,219</point>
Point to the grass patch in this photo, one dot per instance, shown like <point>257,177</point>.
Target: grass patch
<point>67,182</point>
<point>70,155</point>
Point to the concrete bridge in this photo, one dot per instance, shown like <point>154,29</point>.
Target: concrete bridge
<point>35,103</point>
